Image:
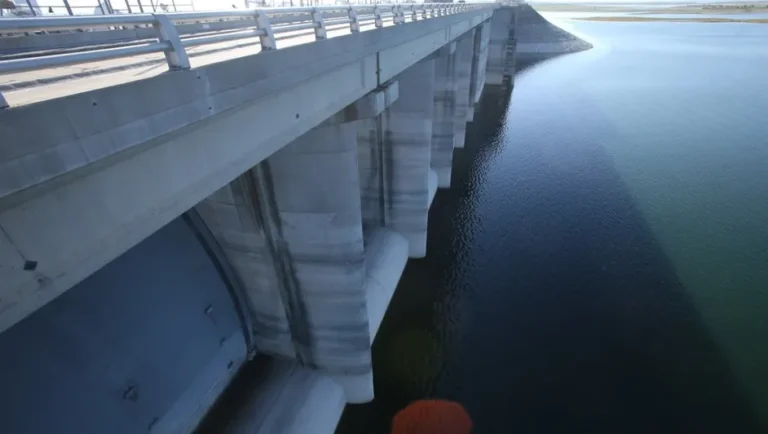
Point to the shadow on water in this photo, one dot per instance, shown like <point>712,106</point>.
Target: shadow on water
<point>569,318</point>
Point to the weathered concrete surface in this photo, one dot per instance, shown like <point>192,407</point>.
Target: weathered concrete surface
<point>444,119</point>
<point>371,158</point>
<point>538,39</point>
<point>106,208</point>
<point>292,228</point>
<point>386,253</point>
<point>464,54</point>
<point>294,235</point>
<point>479,63</point>
<point>406,148</point>
<point>501,37</point>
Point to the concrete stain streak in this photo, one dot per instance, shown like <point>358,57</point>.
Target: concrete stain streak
<point>268,216</point>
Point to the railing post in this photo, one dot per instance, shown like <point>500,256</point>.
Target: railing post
<point>317,19</point>
<point>377,17</point>
<point>69,8</point>
<point>354,23</point>
<point>268,38</point>
<point>31,9</point>
<point>166,31</point>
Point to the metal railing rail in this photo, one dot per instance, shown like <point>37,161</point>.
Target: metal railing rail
<point>103,7</point>
<point>291,19</point>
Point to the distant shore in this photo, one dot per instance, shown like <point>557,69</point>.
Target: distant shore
<point>670,8</point>
<point>676,20</point>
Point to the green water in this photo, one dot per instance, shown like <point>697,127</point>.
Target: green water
<point>689,105</point>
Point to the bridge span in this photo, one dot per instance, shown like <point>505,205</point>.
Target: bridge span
<point>169,214</point>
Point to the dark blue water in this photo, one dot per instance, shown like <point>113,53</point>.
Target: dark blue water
<point>600,264</point>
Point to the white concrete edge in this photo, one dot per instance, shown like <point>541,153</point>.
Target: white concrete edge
<point>444,177</point>
<point>432,183</point>
<point>386,253</point>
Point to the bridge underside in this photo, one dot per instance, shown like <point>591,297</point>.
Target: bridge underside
<point>297,182</point>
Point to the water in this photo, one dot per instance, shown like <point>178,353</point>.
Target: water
<point>559,15</point>
<point>600,263</point>
<point>741,16</point>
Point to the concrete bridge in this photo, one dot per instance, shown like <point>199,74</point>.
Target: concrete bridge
<point>163,226</point>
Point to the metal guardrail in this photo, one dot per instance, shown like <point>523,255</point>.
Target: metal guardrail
<point>89,7</point>
<point>168,41</point>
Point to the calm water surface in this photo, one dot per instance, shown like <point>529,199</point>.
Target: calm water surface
<point>600,264</point>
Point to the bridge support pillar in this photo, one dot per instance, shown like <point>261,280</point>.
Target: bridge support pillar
<point>292,229</point>
<point>501,45</point>
<point>477,76</point>
<point>444,119</point>
<point>395,149</point>
<point>464,54</point>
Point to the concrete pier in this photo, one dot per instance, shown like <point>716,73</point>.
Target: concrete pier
<point>464,54</point>
<point>406,148</point>
<point>294,235</point>
<point>394,154</point>
<point>501,37</point>
<point>372,160</point>
<point>479,61</point>
<point>444,120</point>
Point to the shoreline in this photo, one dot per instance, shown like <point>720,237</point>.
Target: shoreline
<point>675,20</point>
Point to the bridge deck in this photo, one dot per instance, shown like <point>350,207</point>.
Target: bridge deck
<point>114,163</point>
<point>27,87</point>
